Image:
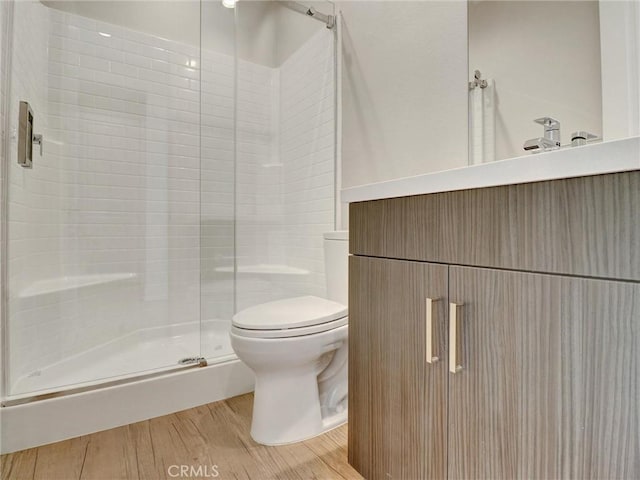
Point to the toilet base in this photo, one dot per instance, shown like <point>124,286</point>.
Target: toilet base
<point>328,424</point>
<point>288,412</point>
<point>300,387</point>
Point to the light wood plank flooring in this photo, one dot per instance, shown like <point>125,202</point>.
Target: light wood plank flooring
<point>214,434</point>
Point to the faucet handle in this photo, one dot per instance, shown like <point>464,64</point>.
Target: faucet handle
<point>551,129</point>
<point>581,137</point>
<point>548,122</point>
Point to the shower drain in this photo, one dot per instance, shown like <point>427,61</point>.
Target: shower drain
<point>189,360</point>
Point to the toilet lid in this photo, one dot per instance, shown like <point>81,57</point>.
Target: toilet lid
<point>289,313</point>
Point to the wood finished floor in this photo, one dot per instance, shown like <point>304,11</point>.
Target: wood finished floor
<point>213,434</point>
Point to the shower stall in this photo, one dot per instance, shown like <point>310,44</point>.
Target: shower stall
<point>186,170</point>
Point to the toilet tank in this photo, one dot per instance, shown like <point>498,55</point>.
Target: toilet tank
<point>336,265</point>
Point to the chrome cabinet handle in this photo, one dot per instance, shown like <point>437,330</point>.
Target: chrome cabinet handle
<point>455,337</point>
<point>431,354</point>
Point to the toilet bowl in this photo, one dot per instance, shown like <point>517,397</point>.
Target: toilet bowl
<point>297,348</point>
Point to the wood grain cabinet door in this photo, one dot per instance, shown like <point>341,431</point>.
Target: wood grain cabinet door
<point>550,380</point>
<point>397,401</point>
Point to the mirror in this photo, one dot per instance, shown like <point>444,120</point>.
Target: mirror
<point>560,60</point>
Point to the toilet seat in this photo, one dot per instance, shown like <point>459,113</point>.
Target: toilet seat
<point>289,332</point>
<point>291,317</point>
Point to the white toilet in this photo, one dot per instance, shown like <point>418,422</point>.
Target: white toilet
<point>297,348</point>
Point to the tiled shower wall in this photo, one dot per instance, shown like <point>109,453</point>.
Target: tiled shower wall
<point>116,192</point>
<point>3,88</point>
<point>125,113</point>
<point>258,183</point>
<point>217,186</point>
<point>33,198</point>
<point>137,178</point>
<point>307,152</point>
<point>286,173</point>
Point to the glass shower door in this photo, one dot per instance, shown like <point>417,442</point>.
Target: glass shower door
<point>104,227</point>
<point>217,180</point>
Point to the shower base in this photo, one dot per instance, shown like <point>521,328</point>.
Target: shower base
<point>139,353</point>
<point>59,418</point>
<point>98,398</point>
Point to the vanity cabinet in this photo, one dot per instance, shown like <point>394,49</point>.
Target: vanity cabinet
<point>399,406</point>
<point>548,347</point>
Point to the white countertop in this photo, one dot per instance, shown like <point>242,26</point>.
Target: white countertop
<point>595,159</point>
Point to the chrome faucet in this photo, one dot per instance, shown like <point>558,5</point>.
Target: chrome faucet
<point>551,139</point>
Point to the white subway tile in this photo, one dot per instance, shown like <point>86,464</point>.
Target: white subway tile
<point>124,69</point>
<point>153,76</point>
<point>110,54</point>
<point>94,63</point>
<point>138,60</point>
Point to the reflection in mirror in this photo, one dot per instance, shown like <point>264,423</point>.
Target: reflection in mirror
<point>543,75</point>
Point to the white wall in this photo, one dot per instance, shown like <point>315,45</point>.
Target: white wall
<point>545,60</point>
<point>620,59</point>
<point>256,32</point>
<point>404,89</point>
<point>295,29</point>
<point>268,33</point>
